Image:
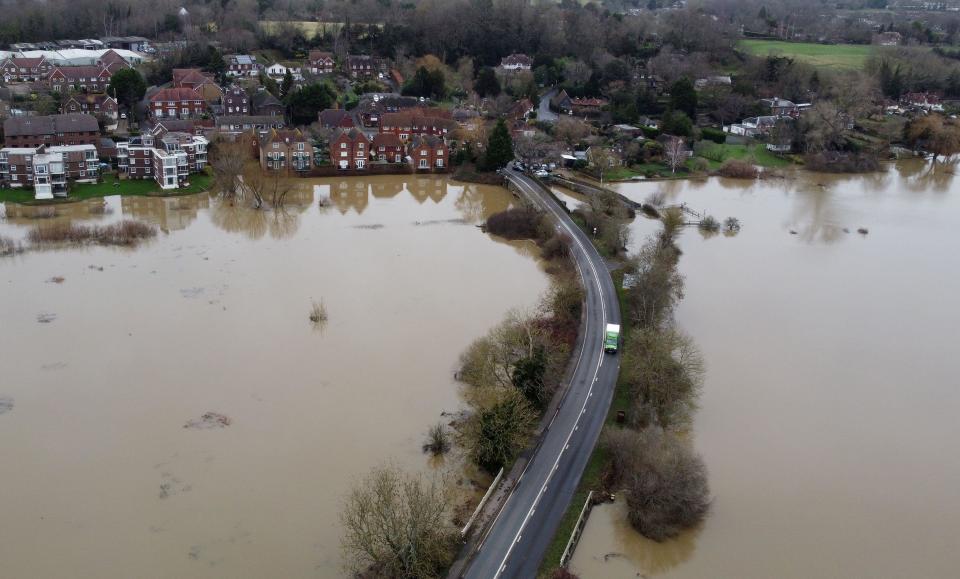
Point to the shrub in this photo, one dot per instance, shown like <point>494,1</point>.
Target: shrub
<point>517,223</point>
<point>650,132</point>
<point>438,440</point>
<point>709,224</point>
<point>557,247</point>
<point>731,224</point>
<point>715,135</point>
<point>737,169</point>
<point>701,164</point>
<point>318,312</point>
<point>498,431</point>
<point>665,482</point>
<point>126,232</point>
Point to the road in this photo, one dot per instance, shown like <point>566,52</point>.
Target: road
<point>521,533</point>
<point>543,112</point>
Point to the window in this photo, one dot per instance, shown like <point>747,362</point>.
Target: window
<point>343,145</point>
<point>276,145</point>
<point>424,163</point>
<point>299,146</point>
<point>439,162</point>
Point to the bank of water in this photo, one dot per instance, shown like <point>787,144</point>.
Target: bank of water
<point>104,368</point>
<point>828,416</point>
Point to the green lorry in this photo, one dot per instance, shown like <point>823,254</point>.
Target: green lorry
<point>611,340</point>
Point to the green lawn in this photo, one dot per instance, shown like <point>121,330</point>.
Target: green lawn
<point>127,187</point>
<point>832,56</point>
<point>757,154</point>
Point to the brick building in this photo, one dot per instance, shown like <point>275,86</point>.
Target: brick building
<point>176,103</point>
<point>428,152</point>
<point>236,101</point>
<point>241,65</point>
<point>169,160</point>
<point>48,170</point>
<point>83,78</point>
<point>98,105</point>
<point>51,130</point>
<point>349,149</point>
<point>416,122</point>
<point>17,69</point>
<point>319,62</point>
<point>387,147</point>
<point>286,150</point>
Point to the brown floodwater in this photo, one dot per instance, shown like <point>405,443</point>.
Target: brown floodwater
<point>828,418</point>
<point>100,477</point>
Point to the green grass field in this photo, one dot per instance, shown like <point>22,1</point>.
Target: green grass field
<point>127,187</point>
<point>830,56</point>
<point>757,154</point>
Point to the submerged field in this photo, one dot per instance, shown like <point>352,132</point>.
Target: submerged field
<point>831,56</point>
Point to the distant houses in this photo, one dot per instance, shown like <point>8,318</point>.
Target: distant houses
<point>515,62</point>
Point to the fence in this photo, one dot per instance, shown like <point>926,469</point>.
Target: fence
<point>577,531</point>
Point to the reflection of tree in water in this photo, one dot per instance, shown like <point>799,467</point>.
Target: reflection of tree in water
<point>279,223</point>
<point>816,210</point>
<point>922,177</point>
<point>478,202</point>
<point>655,558</point>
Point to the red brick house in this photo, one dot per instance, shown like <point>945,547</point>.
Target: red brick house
<point>112,61</point>
<point>169,159</point>
<point>178,103</point>
<point>98,105</point>
<point>16,69</point>
<point>335,119</point>
<point>320,62</point>
<point>190,77</point>
<point>236,101</point>
<point>286,149</point>
<point>362,66</point>
<point>428,153</point>
<point>83,78</point>
<point>387,147</point>
<point>51,130</point>
<point>415,122</point>
<point>349,149</point>
<point>241,65</point>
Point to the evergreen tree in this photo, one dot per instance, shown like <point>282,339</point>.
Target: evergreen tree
<point>128,87</point>
<point>487,83</point>
<point>683,97</point>
<point>307,102</point>
<point>286,84</point>
<point>499,147</point>
<point>676,123</point>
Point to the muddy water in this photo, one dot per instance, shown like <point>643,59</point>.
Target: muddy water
<point>100,478</point>
<point>828,417</point>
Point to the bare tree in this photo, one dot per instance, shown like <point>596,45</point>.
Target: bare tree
<point>265,187</point>
<point>665,481</point>
<point>228,160</point>
<point>676,152</point>
<point>570,130</point>
<point>398,525</point>
<point>602,159</point>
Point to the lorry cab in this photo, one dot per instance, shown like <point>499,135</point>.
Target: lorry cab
<point>611,339</point>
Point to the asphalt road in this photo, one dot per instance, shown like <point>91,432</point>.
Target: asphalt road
<point>521,533</point>
<point>543,111</point>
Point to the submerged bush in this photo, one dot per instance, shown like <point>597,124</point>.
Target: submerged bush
<point>8,246</point>
<point>126,232</point>
<point>842,162</point>
<point>709,224</point>
<point>438,440</point>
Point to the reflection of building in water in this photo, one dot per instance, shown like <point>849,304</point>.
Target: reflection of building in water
<point>423,188</point>
<point>167,213</point>
<point>386,188</point>
<point>349,194</point>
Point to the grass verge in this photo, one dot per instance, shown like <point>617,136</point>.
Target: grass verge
<point>595,466</point>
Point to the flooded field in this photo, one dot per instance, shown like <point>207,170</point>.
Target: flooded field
<point>170,410</point>
<point>828,417</point>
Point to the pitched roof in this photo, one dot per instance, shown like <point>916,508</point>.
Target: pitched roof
<point>432,141</point>
<point>26,62</point>
<point>332,118</point>
<point>316,55</point>
<point>284,135</point>
<point>386,140</point>
<point>190,75</point>
<point>50,124</point>
<point>112,57</point>
<point>516,59</point>
<point>74,72</point>
<point>416,117</point>
<point>175,94</point>
<point>263,98</point>
<point>353,134</point>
